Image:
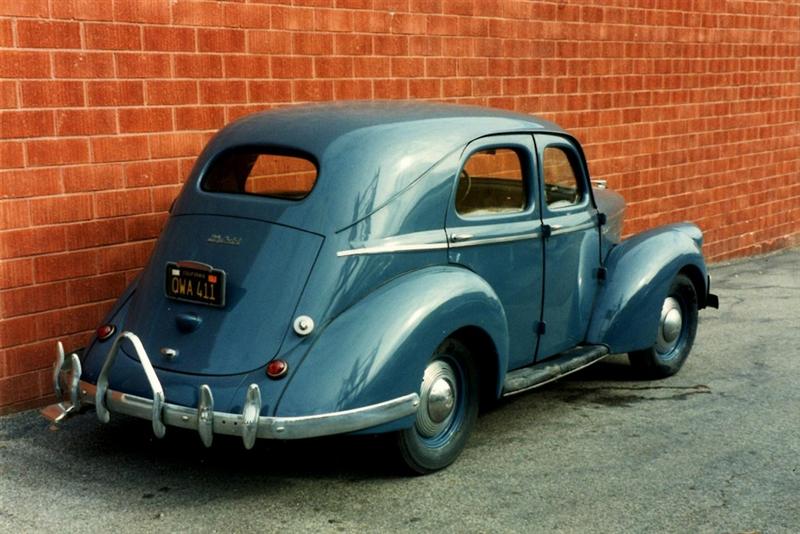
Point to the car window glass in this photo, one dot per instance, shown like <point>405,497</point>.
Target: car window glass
<point>491,182</point>
<point>560,179</point>
<point>259,173</point>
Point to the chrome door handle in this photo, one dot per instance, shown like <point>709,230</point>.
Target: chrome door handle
<point>454,238</point>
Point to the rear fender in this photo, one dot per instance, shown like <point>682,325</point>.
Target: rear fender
<point>639,273</point>
<point>378,349</point>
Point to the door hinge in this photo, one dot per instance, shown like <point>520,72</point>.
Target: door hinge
<point>602,272</point>
<point>547,230</point>
<point>540,327</point>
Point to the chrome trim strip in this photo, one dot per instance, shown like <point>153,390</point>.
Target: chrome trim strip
<point>569,229</point>
<point>389,248</point>
<point>492,240</point>
<point>300,427</point>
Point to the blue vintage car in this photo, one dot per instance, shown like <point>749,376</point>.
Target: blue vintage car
<point>383,267</point>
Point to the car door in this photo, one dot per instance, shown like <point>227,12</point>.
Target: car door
<point>494,229</point>
<point>572,254</point>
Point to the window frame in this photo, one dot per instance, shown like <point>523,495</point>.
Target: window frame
<point>576,162</point>
<point>528,165</point>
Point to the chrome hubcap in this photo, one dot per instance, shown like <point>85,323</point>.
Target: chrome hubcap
<point>670,326</point>
<point>437,399</point>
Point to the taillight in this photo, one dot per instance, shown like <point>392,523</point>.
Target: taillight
<point>106,331</point>
<point>277,368</point>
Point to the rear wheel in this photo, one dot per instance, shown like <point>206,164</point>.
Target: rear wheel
<point>447,411</point>
<point>677,327</point>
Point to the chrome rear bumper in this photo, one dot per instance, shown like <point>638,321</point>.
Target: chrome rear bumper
<point>248,424</point>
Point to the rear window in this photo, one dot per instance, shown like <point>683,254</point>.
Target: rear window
<point>259,172</point>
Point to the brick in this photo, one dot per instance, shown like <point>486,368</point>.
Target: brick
<point>43,94</point>
<point>60,323</point>
<point>17,332</point>
<point>94,234</point>
<point>145,173</point>
<point>333,67</point>
<point>208,117</point>
<point>220,40</point>
<point>12,155</point>
<point>390,45</point>
<point>116,93</point>
<point>124,257</point>
<point>312,44</point>
<point>131,65</point>
<point>246,15</point>
<point>139,11</point>
<point>6,34</point>
<point>291,67</point>
<point>55,267</point>
<point>164,196</point>
<point>16,390</point>
<point>24,65</point>
<point>352,89</point>
<point>8,94</point>
<point>25,8</point>
<point>172,92</point>
<point>164,38</point>
<point>15,273</point>
<point>198,66</point>
<point>292,18</point>
<point>83,65</point>
<point>123,202</point>
<point>101,36</point>
<point>15,124</point>
<point>81,10</point>
<point>20,183</point>
<point>31,241</point>
<point>352,44</point>
<point>119,148</point>
<point>390,89</point>
<point>61,209</point>
<point>174,145</point>
<point>95,289</point>
<point>269,42</point>
<point>48,34</point>
<point>85,122</point>
<point>197,13</point>
<point>223,92</point>
<point>57,151</point>
<point>249,66</point>
<point>270,91</point>
<point>92,177</point>
<point>144,120</point>
<point>333,20</point>
<point>145,226</point>
<point>312,90</point>
<point>15,213</point>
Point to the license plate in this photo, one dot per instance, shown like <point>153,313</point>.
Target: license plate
<point>198,283</point>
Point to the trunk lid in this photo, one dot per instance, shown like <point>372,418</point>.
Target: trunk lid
<point>266,267</point>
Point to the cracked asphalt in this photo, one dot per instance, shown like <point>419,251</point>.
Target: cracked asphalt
<point>714,449</point>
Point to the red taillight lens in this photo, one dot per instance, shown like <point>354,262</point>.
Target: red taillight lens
<point>106,331</point>
<point>277,368</point>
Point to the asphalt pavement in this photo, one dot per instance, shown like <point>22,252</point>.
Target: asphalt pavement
<point>715,448</point>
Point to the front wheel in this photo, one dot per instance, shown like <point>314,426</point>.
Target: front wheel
<point>677,327</point>
<point>447,411</point>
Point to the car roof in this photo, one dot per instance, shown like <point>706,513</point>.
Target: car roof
<point>373,149</point>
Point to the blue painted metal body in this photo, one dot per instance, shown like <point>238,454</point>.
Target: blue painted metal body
<point>387,175</point>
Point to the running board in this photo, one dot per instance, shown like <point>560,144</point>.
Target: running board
<point>541,373</point>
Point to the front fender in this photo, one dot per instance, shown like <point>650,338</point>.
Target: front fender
<point>639,274</point>
<point>378,349</point>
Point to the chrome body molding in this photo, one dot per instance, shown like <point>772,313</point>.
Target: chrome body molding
<point>207,422</point>
<point>389,248</point>
<point>561,230</point>
<point>399,244</point>
<point>461,242</point>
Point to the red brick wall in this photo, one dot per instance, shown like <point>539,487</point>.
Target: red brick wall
<point>691,114</point>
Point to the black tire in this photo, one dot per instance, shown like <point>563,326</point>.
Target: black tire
<point>434,442</point>
<point>667,356</point>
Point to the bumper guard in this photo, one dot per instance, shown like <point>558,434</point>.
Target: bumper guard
<point>248,424</point>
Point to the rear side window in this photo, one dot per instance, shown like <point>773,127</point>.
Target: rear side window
<point>560,179</point>
<point>258,172</point>
<point>491,182</point>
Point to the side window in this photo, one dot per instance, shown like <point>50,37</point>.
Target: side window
<point>561,185</point>
<point>491,182</point>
